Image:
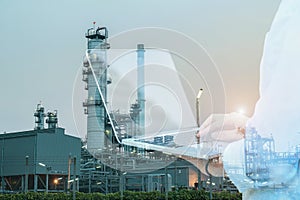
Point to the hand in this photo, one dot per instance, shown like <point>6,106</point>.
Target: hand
<point>223,128</point>
<point>217,131</point>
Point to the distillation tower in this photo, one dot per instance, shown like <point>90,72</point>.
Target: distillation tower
<point>95,75</point>
<point>106,127</point>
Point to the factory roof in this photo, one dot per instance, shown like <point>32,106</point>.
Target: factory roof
<point>33,133</point>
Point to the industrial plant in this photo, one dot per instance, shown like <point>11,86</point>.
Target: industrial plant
<point>117,154</point>
<point>112,162</point>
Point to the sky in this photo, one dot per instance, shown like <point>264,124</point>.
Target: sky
<point>43,44</point>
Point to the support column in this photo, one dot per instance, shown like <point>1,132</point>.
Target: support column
<point>199,179</point>
<point>166,184</point>
<point>121,187</point>
<point>143,184</point>
<point>26,174</point>
<point>90,182</point>
<point>23,184</point>
<point>106,185</point>
<point>35,182</point>
<point>3,183</point>
<point>74,178</point>
<point>47,181</point>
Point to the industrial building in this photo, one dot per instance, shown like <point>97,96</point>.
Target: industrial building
<point>39,159</point>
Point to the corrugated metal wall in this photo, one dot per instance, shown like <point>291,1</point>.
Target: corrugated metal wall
<point>49,146</point>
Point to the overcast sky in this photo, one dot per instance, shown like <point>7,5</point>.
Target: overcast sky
<point>43,43</point>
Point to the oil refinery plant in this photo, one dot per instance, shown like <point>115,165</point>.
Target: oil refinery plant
<point>118,155</point>
<point>146,167</point>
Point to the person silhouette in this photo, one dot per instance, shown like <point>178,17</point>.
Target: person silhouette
<point>276,118</point>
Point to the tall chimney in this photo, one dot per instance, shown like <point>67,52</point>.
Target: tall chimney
<point>141,86</point>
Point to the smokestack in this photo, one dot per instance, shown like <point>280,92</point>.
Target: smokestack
<point>141,86</point>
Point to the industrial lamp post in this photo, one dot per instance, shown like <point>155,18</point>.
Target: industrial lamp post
<point>198,125</point>
<point>122,183</point>
<point>26,173</point>
<point>198,111</point>
<point>72,160</point>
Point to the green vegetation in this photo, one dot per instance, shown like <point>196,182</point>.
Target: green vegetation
<point>128,195</point>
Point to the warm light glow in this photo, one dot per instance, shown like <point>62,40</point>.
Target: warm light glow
<point>241,111</point>
<point>55,181</point>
